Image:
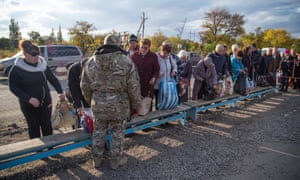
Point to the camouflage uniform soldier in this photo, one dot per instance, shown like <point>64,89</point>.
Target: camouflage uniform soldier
<point>110,83</point>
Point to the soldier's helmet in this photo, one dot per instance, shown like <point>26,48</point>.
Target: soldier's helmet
<point>112,39</point>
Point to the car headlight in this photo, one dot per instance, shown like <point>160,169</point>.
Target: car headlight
<point>1,67</point>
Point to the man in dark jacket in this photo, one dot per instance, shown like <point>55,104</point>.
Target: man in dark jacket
<point>74,76</point>
<point>220,62</point>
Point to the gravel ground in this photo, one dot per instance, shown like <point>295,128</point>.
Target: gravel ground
<point>259,139</point>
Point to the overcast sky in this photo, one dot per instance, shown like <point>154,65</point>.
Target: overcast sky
<point>125,15</point>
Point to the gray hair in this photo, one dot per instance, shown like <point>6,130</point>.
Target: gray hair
<point>219,48</point>
<point>207,60</point>
<point>233,47</point>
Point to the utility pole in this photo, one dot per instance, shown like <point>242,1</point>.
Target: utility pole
<point>141,27</point>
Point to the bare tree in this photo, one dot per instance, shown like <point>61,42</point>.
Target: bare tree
<point>179,31</point>
<point>220,25</point>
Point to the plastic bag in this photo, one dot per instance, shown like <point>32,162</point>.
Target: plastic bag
<point>249,84</point>
<point>182,87</point>
<point>229,86</point>
<point>167,94</point>
<point>220,89</point>
<point>240,85</point>
<point>145,106</point>
<point>86,121</point>
<point>64,116</point>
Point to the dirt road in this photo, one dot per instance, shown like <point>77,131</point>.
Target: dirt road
<point>260,139</point>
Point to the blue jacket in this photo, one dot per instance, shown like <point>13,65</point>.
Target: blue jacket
<point>237,66</point>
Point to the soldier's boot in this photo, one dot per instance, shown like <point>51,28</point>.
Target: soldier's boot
<point>116,163</point>
<point>97,162</point>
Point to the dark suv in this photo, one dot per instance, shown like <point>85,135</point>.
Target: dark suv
<point>55,55</point>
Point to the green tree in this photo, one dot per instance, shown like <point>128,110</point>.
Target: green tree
<point>259,37</point>
<point>14,33</point>
<point>174,41</point>
<point>98,41</point>
<point>247,39</point>
<point>34,36</point>
<point>296,44</point>
<point>156,40</point>
<point>4,43</point>
<point>277,38</point>
<point>81,35</point>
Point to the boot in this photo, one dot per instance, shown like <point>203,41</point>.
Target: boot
<point>116,163</point>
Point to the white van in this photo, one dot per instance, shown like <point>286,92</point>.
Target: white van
<point>263,50</point>
<point>55,55</point>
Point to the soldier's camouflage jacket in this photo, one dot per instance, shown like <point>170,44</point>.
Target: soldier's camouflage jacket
<point>110,83</point>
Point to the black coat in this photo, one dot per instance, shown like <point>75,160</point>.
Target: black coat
<point>25,83</point>
<point>74,76</point>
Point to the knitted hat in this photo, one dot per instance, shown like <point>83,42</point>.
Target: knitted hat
<point>133,38</point>
<point>112,39</point>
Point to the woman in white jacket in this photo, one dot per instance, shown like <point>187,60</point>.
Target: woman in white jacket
<point>168,67</point>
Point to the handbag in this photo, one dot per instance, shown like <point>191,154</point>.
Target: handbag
<point>145,106</point>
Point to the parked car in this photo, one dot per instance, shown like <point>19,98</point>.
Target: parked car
<point>55,55</point>
<point>194,58</point>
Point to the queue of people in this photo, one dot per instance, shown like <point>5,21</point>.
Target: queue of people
<point>113,83</point>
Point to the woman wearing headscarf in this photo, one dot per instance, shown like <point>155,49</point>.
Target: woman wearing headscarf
<point>205,75</point>
<point>184,68</point>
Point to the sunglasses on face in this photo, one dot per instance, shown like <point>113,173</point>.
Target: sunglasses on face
<point>34,53</point>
